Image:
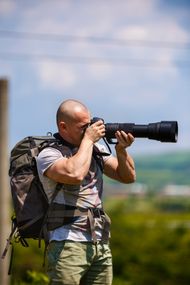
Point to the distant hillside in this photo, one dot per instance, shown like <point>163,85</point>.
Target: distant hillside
<point>167,168</point>
<point>162,169</point>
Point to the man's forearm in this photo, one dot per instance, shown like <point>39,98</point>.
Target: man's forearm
<point>126,166</point>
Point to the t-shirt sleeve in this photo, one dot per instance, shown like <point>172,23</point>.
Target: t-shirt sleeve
<point>46,158</point>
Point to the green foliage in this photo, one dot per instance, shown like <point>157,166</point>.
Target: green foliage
<point>150,247</point>
<point>172,204</point>
<point>34,278</point>
<point>27,267</point>
<point>150,244</point>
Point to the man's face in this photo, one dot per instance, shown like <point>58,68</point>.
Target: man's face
<point>76,128</point>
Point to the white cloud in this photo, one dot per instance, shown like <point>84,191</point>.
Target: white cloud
<point>7,7</point>
<point>101,72</point>
<point>56,76</point>
<point>120,19</point>
<point>132,32</point>
<point>151,42</point>
<point>140,8</point>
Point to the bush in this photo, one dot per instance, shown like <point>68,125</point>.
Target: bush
<point>150,247</point>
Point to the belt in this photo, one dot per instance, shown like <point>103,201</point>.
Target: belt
<point>61,214</point>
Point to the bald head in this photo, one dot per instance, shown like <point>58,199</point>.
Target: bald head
<point>69,111</point>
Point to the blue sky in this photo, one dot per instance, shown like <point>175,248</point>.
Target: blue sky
<point>128,61</point>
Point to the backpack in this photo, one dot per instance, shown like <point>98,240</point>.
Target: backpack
<point>30,202</point>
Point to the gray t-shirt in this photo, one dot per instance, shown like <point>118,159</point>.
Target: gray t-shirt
<point>87,194</point>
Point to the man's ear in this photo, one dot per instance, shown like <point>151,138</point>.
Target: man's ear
<point>62,126</point>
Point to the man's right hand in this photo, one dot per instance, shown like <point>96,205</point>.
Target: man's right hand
<point>96,131</point>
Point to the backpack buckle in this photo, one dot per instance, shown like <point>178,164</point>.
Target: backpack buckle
<point>97,212</point>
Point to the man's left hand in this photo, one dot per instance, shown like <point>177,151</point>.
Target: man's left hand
<point>124,140</point>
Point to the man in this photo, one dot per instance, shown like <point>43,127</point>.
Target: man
<point>79,252</point>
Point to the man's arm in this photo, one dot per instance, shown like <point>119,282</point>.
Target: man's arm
<point>121,167</point>
<point>72,170</point>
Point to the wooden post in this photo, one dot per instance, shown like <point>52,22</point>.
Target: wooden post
<point>4,185</point>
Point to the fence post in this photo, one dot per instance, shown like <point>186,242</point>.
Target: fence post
<point>4,185</point>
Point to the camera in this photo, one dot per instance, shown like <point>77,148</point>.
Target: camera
<point>164,131</point>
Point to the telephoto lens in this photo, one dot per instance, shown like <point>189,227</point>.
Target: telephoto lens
<point>164,131</point>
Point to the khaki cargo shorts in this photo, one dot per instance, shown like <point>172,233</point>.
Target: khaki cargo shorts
<point>79,263</point>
